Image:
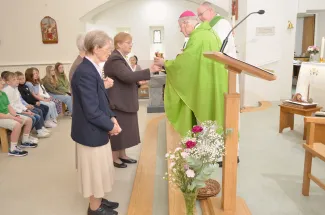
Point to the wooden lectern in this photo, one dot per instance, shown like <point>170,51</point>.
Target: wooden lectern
<point>229,202</point>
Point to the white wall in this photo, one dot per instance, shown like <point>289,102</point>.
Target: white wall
<point>320,28</point>
<point>299,36</point>
<point>305,5</point>
<point>20,35</point>
<point>272,52</point>
<point>139,16</point>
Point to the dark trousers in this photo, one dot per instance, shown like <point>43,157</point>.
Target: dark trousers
<point>40,113</point>
<point>35,119</point>
<point>44,108</point>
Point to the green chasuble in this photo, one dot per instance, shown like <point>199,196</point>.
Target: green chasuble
<point>195,85</point>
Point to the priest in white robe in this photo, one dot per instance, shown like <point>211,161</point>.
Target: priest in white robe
<point>221,27</point>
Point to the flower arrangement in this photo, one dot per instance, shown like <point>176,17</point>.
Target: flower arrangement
<point>313,50</point>
<point>194,161</point>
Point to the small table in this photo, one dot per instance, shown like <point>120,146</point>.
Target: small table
<point>287,116</point>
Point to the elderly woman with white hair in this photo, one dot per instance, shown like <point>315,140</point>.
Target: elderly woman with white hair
<point>93,123</point>
<point>78,60</point>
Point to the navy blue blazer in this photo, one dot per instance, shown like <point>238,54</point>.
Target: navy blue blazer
<point>91,119</point>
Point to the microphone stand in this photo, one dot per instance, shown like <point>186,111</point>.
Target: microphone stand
<point>223,46</point>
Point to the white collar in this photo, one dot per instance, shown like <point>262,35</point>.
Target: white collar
<point>98,68</point>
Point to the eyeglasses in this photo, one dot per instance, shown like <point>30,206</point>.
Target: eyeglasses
<point>200,14</point>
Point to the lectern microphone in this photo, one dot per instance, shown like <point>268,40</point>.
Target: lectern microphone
<point>223,46</point>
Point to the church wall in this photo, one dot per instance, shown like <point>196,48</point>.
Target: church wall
<point>138,17</point>
<point>305,5</point>
<point>320,28</point>
<point>273,52</point>
<point>20,34</point>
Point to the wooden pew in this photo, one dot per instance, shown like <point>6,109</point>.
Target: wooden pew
<point>4,140</point>
<point>64,108</point>
<point>175,196</point>
<point>142,197</point>
<point>314,147</point>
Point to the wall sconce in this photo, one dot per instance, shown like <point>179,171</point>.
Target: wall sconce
<point>290,25</point>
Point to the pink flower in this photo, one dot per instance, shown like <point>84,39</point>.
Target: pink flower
<point>190,144</point>
<point>184,155</point>
<point>197,129</point>
<point>186,166</point>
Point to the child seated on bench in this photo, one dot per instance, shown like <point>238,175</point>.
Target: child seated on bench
<point>10,120</point>
<point>15,100</point>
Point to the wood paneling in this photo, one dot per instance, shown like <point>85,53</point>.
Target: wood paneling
<point>308,33</point>
<point>142,196</point>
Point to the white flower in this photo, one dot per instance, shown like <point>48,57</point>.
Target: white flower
<point>177,149</point>
<point>172,156</point>
<point>172,164</point>
<point>190,173</point>
<point>184,155</point>
<point>167,155</point>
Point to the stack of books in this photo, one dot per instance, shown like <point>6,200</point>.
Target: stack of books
<point>301,105</point>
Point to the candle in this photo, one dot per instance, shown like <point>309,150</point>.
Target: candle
<point>233,24</point>
<point>322,48</point>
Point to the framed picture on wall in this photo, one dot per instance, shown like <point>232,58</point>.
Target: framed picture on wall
<point>49,30</point>
<point>235,9</point>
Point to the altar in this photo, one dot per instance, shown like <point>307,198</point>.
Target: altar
<point>156,95</point>
<point>312,80</point>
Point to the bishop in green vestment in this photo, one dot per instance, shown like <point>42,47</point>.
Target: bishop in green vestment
<point>195,85</point>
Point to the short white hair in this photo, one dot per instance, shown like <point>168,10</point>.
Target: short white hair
<point>96,38</point>
<point>81,42</point>
<point>208,5</point>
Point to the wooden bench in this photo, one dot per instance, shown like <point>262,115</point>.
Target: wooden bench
<point>314,147</point>
<point>4,140</point>
<point>64,108</point>
<point>287,116</point>
<point>175,196</point>
<point>142,197</point>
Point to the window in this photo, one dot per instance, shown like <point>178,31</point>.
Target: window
<point>156,36</point>
<point>125,30</point>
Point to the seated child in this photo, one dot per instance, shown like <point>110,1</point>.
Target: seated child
<point>30,99</point>
<point>15,101</point>
<point>33,86</point>
<point>10,120</point>
<point>54,87</point>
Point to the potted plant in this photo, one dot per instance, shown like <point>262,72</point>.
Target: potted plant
<point>312,50</point>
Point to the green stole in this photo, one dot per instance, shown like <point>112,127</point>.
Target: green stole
<point>215,20</point>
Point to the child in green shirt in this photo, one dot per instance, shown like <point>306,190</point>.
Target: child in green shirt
<point>11,121</point>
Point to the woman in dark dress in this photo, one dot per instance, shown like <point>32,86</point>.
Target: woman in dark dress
<point>123,97</point>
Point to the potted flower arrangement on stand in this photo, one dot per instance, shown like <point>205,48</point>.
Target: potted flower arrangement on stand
<point>195,160</point>
<point>312,50</point>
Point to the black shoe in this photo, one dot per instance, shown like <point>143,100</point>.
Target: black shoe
<point>111,205</point>
<point>220,163</point>
<point>17,152</point>
<point>120,165</point>
<point>28,145</point>
<point>102,210</point>
<point>128,160</point>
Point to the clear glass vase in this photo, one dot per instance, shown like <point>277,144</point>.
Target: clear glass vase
<point>312,57</point>
<point>190,200</point>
